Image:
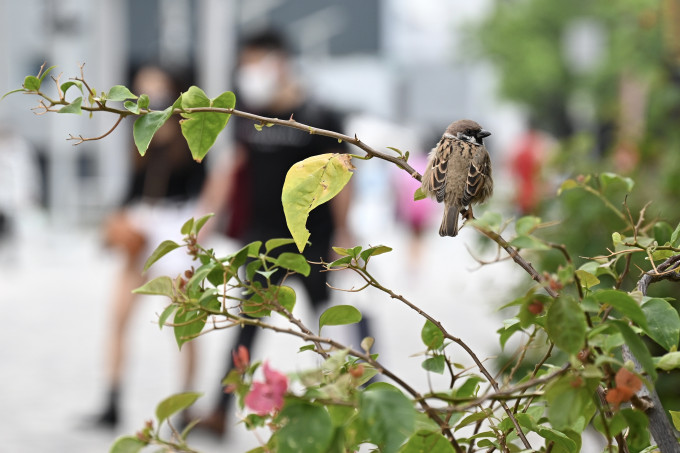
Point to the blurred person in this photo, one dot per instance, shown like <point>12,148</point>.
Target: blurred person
<point>249,184</point>
<point>162,194</point>
<point>528,158</point>
<point>415,215</point>
<point>19,184</point>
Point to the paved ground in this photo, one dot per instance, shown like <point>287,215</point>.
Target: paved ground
<point>54,304</point>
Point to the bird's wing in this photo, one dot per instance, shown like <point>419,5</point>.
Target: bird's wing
<point>437,171</point>
<point>479,170</point>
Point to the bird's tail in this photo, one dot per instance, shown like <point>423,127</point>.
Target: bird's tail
<point>449,222</point>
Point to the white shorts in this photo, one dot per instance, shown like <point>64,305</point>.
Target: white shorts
<point>159,222</point>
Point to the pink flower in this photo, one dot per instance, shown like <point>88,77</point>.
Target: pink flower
<point>266,397</point>
<point>241,358</point>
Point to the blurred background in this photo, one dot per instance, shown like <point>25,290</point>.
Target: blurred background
<point>566,88</point>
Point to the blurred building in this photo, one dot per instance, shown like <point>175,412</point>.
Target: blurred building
<point>394,59</point>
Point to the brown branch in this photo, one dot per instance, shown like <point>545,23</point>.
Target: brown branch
<point>364,274</point>
<point>517,258</point>
<point>371,152</point>
<point>660,427</point>
<point>82,139</point>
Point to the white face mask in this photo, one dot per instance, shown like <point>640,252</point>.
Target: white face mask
<point>258,82</point>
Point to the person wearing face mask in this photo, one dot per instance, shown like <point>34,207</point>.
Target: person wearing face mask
<point>249,185</point>
<point>162,193</point>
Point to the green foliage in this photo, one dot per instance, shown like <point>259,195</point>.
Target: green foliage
<point>307,428</point>
<point>202,128</point>
<point>310,183</point>
<point>339,315</point>
<point>127,444</point>
<point>566,325</point>
<point>387,414</point>
<point>575,316</point>
<point>146,126</point>
<point>174,404</point>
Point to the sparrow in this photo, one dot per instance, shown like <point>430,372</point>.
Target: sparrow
<point>458,173</point>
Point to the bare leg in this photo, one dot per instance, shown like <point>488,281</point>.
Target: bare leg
<point>129,279</point>
<point>189,357</point>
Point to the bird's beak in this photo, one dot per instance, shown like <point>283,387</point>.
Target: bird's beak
<point>483,133</point>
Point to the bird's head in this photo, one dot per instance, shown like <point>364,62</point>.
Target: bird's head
<point>467,130</point>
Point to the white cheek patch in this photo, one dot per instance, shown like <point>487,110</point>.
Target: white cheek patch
<point>466,138</point>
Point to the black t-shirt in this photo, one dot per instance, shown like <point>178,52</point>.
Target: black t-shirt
<point>167,172</point>
<point>271,152</point>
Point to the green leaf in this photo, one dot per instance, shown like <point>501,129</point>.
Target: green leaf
<point>469,388</point>
<point>158,286</point>
<point>669,361</point>
<point>143,102</point>
<point>200,222</point>
<point>373,251</point>
<point>388,416</point>
<point>293,262</point>
<point>489,221</point>
<point>307,347</point>
<point>427,442</point>
<point>286,297</point>
<point>436,364</point>
<point>344,261</point>
<point>45,72</point>
<point>638,432</point>
<point>567,185</point>
<point>147,125</point>
<point>662,232</point>
<point>199,275</point>
<point>73,107</point>
<point>340,414</point>
<point>170,309</point>
<point>187,226</point>
<point>432,336</point>
<point>509,330</point>
<point>202,128</point>
<point>663,322</point>
<point>472,418</point>
<point>341,251</point>
<point>529,243</point>
<point>127,444</point>
<point>526,225</point>
<point>276,243</point>
<point>569,398</point>
<point>637,348</point>
<point>32,83</point>
<point>11,92</point>
<point>307,428</point>
<point>310,183</point>
<point>339,315</point>
<point>132,107</point>
<point>187,324</point>
<point>675,237</point>
<point>120,93</point>
<point>566,324</point>
<point>419,194</point>
<point>253,267</point>
<point>559,438</point>
<point>175,403</point>
<point>624,303</point>
<point>675,416</point>
<point>587,279</point>
<point>607,179</point>
<point>163,249</point>
<point>615,425</point>
<point>66,85</point>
